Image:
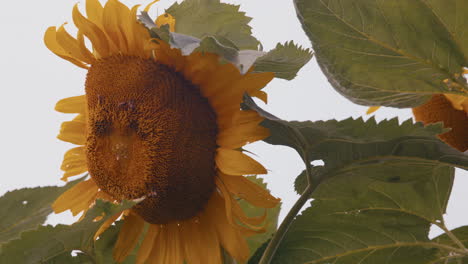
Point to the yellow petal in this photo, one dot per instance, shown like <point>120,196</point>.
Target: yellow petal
<point>234,162</point>
<point>233,210</point>
<point>174,251</point>
<point>256,81</point>
<point>230,237</point>
<point>237,136</point>
<point>260,95</point>
<point>76,198</point>
<point>158,252</point>
<point>147,8</point>
<point>73,132</point>
<point>248,190</point>
<point>225,76</point>
<point>192,241</point>
<point>94,11</point>
<point>76,104</point>
<point>74,162</point>
<point>128,236</point>
<point>372,109</point>
<point>459,102</point>
<point>210,245</point>
<point>106,224</point>
<point>166,19</point>
<point>147,244</point>
<point>93,32</point>
<point>50,40</point>
<point>72,46</point>
<point>114,16</point>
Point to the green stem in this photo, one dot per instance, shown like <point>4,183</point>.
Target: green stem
<point>453,237</point>
<point>279,235</point>
<point>312,184</point>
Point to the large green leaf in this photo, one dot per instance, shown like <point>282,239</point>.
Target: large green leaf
<point>461,234</point>
<point>360,218</point>
<point>381,187</point>
<point>202,18</point>
<point>51,244</point>
<point>26,209</point>
<point>393,53</point>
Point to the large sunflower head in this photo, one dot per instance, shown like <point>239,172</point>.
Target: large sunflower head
<point>165,128</point>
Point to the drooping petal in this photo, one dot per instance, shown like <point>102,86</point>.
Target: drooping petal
<point>159,251</point>
<point>235,162</point>
<point>174,250</point>
<point>74,162</point>
<point>230,237</point>
<point>147,244</point>
<point>128,236</point>
<point>234,212</point>
<point>106,224</point>
<point>76,199</point>
<point>248,190</point>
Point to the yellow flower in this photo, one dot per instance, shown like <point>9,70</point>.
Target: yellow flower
<point>157,125</point>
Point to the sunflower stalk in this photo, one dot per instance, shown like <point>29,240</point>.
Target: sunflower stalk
<point>312,183</point>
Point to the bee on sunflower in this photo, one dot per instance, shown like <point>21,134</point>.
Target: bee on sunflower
<point>164,127</point>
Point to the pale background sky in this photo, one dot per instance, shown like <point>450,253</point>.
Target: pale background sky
<point>32,80</point>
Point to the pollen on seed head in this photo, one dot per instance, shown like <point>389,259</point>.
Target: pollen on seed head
<point>150,134</point>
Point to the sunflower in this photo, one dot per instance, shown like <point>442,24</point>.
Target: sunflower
<point>165,128</point>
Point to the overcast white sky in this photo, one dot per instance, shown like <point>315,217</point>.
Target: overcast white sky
<point>32,79</point>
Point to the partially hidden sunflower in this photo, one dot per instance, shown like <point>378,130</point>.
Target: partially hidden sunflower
<point>451,110</point>
<point>163,127</point>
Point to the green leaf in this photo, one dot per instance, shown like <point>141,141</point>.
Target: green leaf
<point>104,247</point>
<point>356,218</point>
<point>26,209</point>
<point>271,220</point>
<point>202,18</point>
<point>461,234</point>
<point>284,60</point>
<point>393,53</point>
<point>50,244</point>
<point>381,187</point>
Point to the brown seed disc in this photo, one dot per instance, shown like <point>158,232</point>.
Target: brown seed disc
<point>439,109</point>
<point>150,133</point>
